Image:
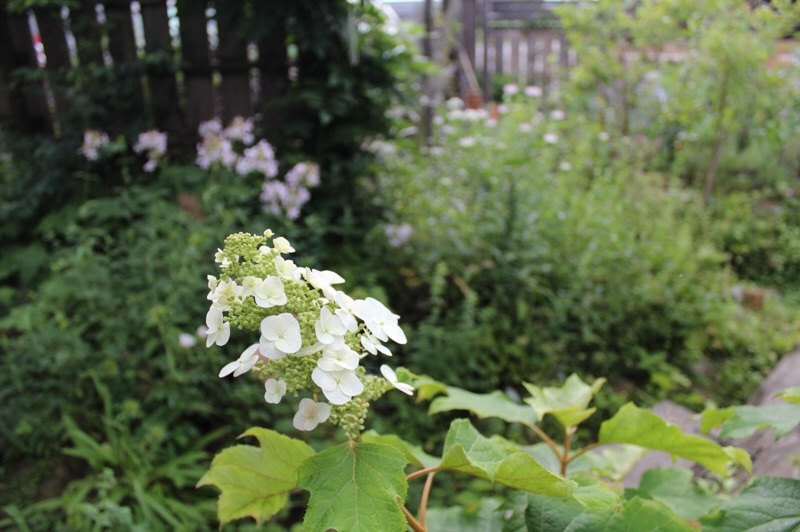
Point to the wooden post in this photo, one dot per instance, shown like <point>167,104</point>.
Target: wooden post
<point>194,48</point>
<point>233,65</point>
<point>25,107</point>
<point>273,67</point>
<point>88,38</point>
<point>121,40</point>
<point>163,87</point>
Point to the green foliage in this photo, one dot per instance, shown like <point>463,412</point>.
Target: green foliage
<point>256,481</point>
<point>769,503</point>
<point>498,460</point>
<point>566,403</point>
<point>636,426</point>
<point>673,487</point>
<point>355,486</point>
<point>742,421</point>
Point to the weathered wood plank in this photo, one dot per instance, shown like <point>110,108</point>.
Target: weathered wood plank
<point>197,71</point>
<point>233,65</point>
<point>119,25</point>
<point>163,86</point>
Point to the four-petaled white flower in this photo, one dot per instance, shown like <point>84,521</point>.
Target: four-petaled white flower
<point>219,331</point>
<point>249,285</point>
<point>322,280</point>
<point>373,345</point>
<point>224,293</point>
<point>274,391</point>
<point>345,311</point>
<point>338,386</point>
<point>391,376</point>
<point>286,269</point>
<point>270,293</point>
<point>244,364</point>
<point>311,414</point>
<point>329,328</point>
<point>338,358</point>
<point>280,335</point>
<point>282,245</point>
<point>381,322</point>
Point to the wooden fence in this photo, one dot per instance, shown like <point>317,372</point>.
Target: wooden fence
<point>209,71</point>
<point>198,77</point>
<point>519,39</point>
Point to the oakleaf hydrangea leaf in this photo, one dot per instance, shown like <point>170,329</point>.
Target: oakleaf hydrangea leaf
<point>498,460</point>
<point>413,453</point>
<point>545,514</point>
<point>673,486</point>
<point>481,517</point>
<point>566,403</point>
<point>641,427</point>
<point>749,419</point>
<point>355,487</point>
<point>495,404</point>
<point>769,503</point>
<point>255,481</point>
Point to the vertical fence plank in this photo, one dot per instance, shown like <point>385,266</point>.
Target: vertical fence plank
<point>27,104</point>
<point>234,67</point>
<point>514,39</point>
<point>194,48</point>
<point>273,68</point>
<point>163,87</point>
<point>84,26</point>
<point>121,39</point>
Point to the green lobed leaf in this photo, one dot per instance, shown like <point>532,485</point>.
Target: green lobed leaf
<point>768,504</point>
<point>255,481</point>
<point>355,486</point>
<point>747,420</point>
<point>484,516</point>
<point>613,463</point>
<point>413,453</point>
<point>790,395</point>
<point>566,403</point>
<point>498,460</point>
<point>593,494</point>
<point>712,418</point>
<point>495,404</point>
<point>673,486</point>
<point>546,514</point>
<point>641,427</point>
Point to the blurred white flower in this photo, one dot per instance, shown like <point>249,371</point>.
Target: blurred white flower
<point>558,114</point>
<point>240,129</point>
<point>466,142</point>
<point>187,340</point>
<point>398,234</point>
<point>260,159</point>
<point>510,89</point>
<point>550,138</point>
<point>533,91</point>
<point>526,127</point>
<point>93,140</point>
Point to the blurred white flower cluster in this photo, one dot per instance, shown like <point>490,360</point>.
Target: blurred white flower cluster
<point>219,145</point>
<point>154,143</point>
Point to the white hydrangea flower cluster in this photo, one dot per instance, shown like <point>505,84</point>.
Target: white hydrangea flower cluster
<point>313,336</point>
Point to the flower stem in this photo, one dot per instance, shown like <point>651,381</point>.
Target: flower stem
<point>545,438</point>
<point>422,472</point>
<point>413,523</point>
<point>426,492</point>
